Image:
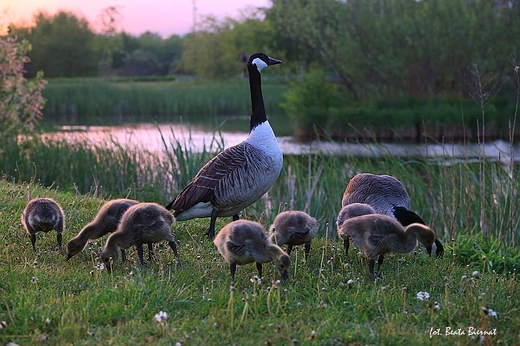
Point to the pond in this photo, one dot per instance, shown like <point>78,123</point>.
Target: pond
<point>197,139</point>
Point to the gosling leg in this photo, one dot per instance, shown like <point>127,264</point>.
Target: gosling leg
<point>289,249</point>
<point>151,255</point>
<point>140,254</point>
<point>346,244</point>
<point>233,269</point>
<point>173,245</point>
<point>33,241</point>
<point>379,262</point>
<point>59,238</point>
<point>371,263</point>
<point>259,268</point>
<point>307,249</point>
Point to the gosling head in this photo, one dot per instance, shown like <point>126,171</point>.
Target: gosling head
<point>352,210</point>
<point>108,257</point>
<point>74,246</point>
<point>425,235</point>
<point>283,262</point>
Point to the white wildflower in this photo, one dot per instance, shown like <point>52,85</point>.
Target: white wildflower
<point>34,280</point>
<point>161,316</point>
<point>423,295</point>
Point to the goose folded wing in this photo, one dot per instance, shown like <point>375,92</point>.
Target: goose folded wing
<point>211,175</point>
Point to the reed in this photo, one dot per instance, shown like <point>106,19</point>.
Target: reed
<point>105,102</point>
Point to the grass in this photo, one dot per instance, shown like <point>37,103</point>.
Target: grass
<point>328,300</point>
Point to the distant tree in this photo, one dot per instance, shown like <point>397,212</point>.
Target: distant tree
<point>110,19</point>
<point>62,46</point>
<point>391,48</point>
<point>21,102</point>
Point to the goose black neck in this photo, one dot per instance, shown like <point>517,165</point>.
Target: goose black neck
<point>257,100</point>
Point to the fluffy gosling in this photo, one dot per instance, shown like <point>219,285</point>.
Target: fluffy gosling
<point>43,215</point>
<point>242,242</point>
<point>352,210</point>
<point>377,234</point>
<point>106,221</point>
<point>293,227</point>
<point>141,223</point>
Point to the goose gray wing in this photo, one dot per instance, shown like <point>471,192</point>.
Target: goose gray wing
<point>202,187</point>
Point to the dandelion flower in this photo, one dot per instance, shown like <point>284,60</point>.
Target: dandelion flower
<point>423,295</point>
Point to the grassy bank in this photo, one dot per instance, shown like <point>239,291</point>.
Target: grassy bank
<point>328,300</point>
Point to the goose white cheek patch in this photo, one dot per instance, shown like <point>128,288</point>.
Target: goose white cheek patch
<point>260,64</point>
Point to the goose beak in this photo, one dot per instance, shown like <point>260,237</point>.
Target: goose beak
<point>440,249</point>
<point>274,61</point>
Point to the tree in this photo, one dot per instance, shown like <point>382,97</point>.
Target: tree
<point>63,46</point>
<point>21,102</point>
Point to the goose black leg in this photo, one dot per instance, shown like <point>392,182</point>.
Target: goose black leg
<point>235,217</point>
<point>213,220</point>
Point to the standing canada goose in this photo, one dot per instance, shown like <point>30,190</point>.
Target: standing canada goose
<point>106,221</point>
<point>141,223</point>
<point>238,176</point>
<point>43,215</point>
<point>377,234</point>
<point>293,227</point>
<point>387,195</point>
<point>242,242</point>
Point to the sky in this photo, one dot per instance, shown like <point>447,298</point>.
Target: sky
<point>165,17</point>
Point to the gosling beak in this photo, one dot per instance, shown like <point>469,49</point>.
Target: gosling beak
<point>274,61</point>
<point>285,275</point>
<point>69,256</point>
<point>429,250</point>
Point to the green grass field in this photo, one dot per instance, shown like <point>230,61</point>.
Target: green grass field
<point>328,300</point>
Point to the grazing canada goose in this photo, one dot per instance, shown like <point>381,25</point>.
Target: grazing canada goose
<point>43,215</point>
<point>377,234</point>
<point>387,195</point>
<point>293,227</point>
<point>141,223</point>
<point>238,176</point>
<point>106,221</point>
<point>242,242</point>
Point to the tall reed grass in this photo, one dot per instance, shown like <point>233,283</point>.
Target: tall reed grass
<point>457,197</point>
<point>105,102</point>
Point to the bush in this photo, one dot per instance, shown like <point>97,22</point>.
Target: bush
<point>21,102</point>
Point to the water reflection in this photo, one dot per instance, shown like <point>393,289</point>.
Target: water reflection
<point>196,139</point>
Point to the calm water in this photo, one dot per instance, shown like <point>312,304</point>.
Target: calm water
<point>148,136</point>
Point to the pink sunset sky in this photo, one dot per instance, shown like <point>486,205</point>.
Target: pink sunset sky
<point>165,17</point>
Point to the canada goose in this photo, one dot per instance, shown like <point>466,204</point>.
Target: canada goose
<point>377,234</point>
<point>293,227</point>
<point>387,195</point>
<point>141,223</point>
<point>43,215</point>
<point>106,221</point>
<point>242,242</point>
<point>238,176</point>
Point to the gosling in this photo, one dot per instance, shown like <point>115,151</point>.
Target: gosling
<point>293,227</point>
<point>377,234</point>
<point>352,210</point>
<point>141,223</point>
<point>106,221</point>
<point>43,215</point>
<point>242,242</point>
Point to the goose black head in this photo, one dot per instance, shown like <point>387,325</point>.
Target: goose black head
<point>261,61</point>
